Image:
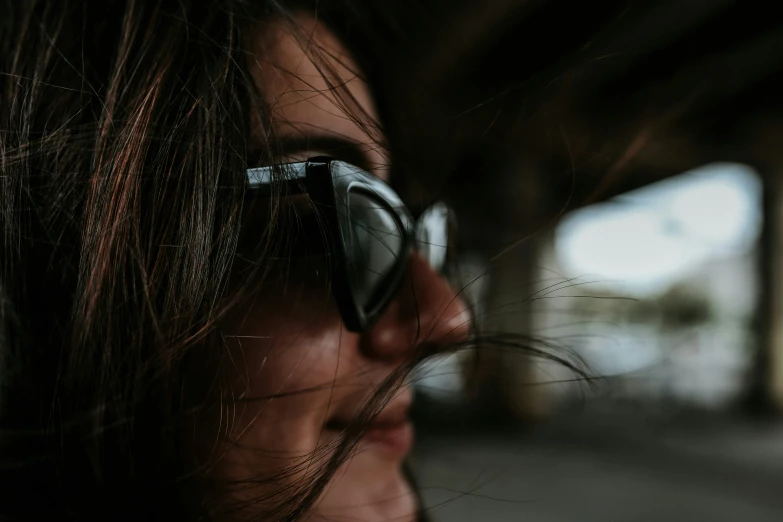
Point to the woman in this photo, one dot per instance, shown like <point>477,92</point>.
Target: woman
<point>188,328</point>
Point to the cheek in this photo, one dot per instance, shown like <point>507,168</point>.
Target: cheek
<point>288,365</point>
<point>272,424</point>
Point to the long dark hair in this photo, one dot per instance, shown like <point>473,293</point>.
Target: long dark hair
<point>124,136</point>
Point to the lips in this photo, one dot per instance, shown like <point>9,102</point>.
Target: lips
<point>393,440</point>
<point>390,433</point>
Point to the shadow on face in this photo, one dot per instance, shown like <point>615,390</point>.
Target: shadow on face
<point>299,379</point>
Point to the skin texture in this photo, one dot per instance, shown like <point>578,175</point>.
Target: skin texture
<point>289,342</point>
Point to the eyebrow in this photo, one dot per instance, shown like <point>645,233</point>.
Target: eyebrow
<point>341,148</point>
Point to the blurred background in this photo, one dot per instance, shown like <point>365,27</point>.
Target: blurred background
<point>616,171</point>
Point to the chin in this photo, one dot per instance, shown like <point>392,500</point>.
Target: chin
<point>369,487</point>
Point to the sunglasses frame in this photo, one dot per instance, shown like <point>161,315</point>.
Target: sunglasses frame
<point>328,182</point>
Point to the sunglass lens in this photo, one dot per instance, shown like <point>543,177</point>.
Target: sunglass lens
<point>374,248</point>
<point>432,235</point>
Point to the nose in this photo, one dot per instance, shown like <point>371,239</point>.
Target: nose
<point>426,314</point>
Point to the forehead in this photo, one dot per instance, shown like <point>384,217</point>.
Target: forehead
<point>314,89</point>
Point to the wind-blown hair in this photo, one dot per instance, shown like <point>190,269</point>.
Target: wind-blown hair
<point>124,138</point>
<point>124,132</point>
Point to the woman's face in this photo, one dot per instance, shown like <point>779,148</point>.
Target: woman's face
<point>297,375</point>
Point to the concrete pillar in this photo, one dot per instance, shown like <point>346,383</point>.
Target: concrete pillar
<point>509,310</point>
<point>505,377</point>
<point>766,393</point>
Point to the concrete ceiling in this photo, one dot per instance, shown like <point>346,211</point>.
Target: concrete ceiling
<point>529,107</point>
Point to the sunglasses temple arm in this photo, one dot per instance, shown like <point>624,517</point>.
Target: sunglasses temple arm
<point>290,178</point>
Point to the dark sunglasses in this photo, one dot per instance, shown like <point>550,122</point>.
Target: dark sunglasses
<point>372,233</point>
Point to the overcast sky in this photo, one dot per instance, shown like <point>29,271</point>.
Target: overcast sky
<point>646,240</point>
